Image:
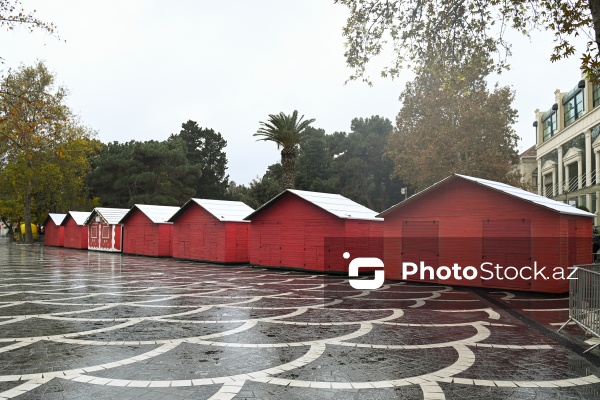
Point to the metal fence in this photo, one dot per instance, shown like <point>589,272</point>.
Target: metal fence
<point>584,299</point>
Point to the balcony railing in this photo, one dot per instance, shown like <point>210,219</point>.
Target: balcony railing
<point>573,185</point>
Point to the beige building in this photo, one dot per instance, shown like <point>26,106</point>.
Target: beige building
<point>568,147</point>
<point>528,169</point>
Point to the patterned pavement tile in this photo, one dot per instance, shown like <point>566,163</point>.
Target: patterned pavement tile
<point>90,325</point>
<point>194,361</point>
<point>47,356</point>
<point>21,309</point>
<point>153,330</point>
<point>352,364</point>
<point>256,390</point>
<point>43,327</point>
<point>487,392</point>
<point>66,389</point>
<point>526,365</point>
<point>232,313</point>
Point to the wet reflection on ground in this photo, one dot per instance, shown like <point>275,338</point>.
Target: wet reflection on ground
<point>82,324</point>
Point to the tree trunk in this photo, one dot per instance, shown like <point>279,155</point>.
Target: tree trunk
<point>288,166</point>
<point>27,216</point>
<point>595,10</point>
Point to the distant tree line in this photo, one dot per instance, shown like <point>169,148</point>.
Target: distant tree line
<point>193,163</point>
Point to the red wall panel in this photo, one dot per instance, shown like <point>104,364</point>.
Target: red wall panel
<point>295,233</point>
<point>118,237</point>
<point>198,235</point>
<point>462,209</point>
<point>54,235</point>
<point>142,236</point>
<point>75,236</point>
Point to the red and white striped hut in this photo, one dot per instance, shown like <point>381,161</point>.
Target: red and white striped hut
<point>211,230</point>
<point>312,231</point>
<point>146,230</point>
<point>105,231</point>
<point>54,233</point>
<point>76,233</point>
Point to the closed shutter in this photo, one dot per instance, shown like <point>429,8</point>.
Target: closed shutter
<point>420,243</point>
<point>507,243</point>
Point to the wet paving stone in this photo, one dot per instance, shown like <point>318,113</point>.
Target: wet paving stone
<point>233,313</point>
<point>451,305</point>
<point>486,392</point>
<point>409,295</point>
<point>64,389</point>
<point>35,327</point>
<point>4,386</point>
<point>160,330</point>
<point>102,299</point>
<point>256,390</point>
<point>286,302</point>
<point>149,328</point>
<point>420,316</point>
<point>414,336</point>
<point>546,318</point>
<point>349,364</point>
<point>283,333</point>
<point>364,304</point>
<point>46,356</point>
<point>327,315</point>
<point>539,304</point>
<point>198,301</point>
<point>194,361</point>
<point>247,293</point>
<point>35,296</point>
<point>138,310</point>
<point>179,291</point>
<point>526,365</point>
<point>517,334</point>
<point>36,309</point>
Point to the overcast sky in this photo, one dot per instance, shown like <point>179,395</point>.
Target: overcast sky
<point>139,69</point>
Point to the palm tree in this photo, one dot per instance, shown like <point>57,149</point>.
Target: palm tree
<point>288,132</point>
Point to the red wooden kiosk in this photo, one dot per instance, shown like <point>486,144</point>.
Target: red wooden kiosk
<point>75,232</point>
<point>54,233</point>
<point>105,232</point>
<point>312,231</point>
<point>489,226</point>
<point>146,230</point>
<point>211,230</point>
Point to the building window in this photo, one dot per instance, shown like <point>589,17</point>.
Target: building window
<point>105,232</point>
<point>573,108</point>
<point>94,231</point>
<point>596,95</point>
<point>549,126</point>
<point>573,183</point>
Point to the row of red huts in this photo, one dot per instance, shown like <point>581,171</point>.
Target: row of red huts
<point>460,220</point>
